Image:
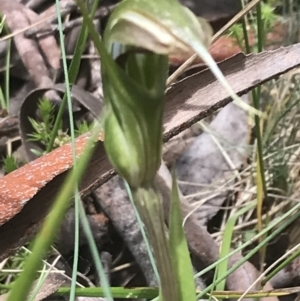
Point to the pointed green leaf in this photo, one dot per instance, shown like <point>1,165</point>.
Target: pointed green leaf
<point>180,255</point>
<point>221,268</point>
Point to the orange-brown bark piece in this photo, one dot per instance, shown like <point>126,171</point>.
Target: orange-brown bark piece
<point>18,187</point>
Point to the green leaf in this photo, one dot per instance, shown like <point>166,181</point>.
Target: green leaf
<point>180,255</point>
<point>221,268</point>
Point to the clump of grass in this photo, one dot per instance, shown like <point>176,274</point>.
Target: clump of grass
<point>43,129</point>
<point>10,164</point>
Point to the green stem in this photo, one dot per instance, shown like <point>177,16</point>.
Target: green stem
<point>245,32</point>
<point>150,253</point>
<point>67,96</point>
<point>260,28</point>
<point>256,92</point>
<point>256,104</point>
<point>72,73</point>
<point>95,254</point>
<point>149,205</point>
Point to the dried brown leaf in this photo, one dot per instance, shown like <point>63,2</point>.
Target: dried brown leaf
<point>19,17</point>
